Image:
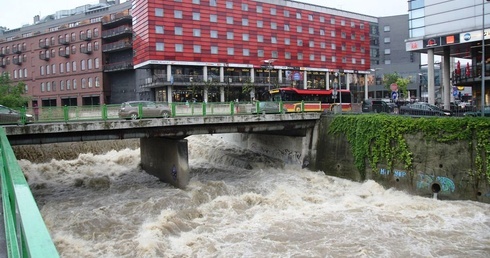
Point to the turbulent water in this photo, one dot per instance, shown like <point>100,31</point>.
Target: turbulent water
<point>241,204</point>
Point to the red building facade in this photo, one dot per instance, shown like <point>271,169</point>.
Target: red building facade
<point>199,39</point>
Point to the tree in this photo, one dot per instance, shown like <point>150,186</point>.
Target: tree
<point>12,95</point>
<point>401,82</point>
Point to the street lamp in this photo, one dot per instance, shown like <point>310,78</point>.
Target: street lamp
<point>483,60</point>
<point>269,66</point>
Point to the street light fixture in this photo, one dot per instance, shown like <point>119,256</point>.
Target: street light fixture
<point>483,60</point>
<point>269,67</point>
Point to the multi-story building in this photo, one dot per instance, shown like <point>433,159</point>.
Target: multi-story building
<point>455,29</point>
<point>75,60</point>
<point>181,50</point>
<point>393,57</point>
<point>222,47</point>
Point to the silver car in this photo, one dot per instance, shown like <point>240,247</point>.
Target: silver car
<point>149,109</point>
<point>11,116</point>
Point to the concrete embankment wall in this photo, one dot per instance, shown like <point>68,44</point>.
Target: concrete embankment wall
<point>447,170</point>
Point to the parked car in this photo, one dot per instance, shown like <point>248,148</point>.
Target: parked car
<point>378,106</point>
<point>423,109</point>
<point>11,116</point>
<point>150,109</point>
<point>269,107</point>
<point>486,112</point>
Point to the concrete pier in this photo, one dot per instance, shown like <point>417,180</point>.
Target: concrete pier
<point>167,159</point>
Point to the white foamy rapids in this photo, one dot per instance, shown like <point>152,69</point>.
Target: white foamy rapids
<point>241,204</point>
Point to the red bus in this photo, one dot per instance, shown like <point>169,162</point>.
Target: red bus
<point>313,100</point>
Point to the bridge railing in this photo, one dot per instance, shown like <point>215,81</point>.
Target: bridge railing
<point>26,234</point>
<point>177,109</point>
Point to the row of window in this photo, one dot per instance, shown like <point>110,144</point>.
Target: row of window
<point>70,84</point>
<point>67,67</point>
<point>64,51</point>
<point>160,46</point>
<point>196,32</point>
<point>67,38</point>
<point>178,14</point>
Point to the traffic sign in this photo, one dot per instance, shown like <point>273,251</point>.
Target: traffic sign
<point>394,95</point>
<point>394,87</point>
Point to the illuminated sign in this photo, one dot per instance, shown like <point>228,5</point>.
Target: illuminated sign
<point>414,45</point>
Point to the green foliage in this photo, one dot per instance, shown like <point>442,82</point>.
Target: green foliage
<point>380,138</point>
<point>12,95</point>
<point>396,78</point>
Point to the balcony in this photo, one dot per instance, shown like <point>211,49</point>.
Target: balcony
<point>117,46</point>
<point>86,51</point>
<point>64,54</point>
<point>17,61</point>
<point>16,50</point>
<point>117,19</point>
<point>118,66</point>
<point>44,57</point>
<point>63,42</point>
<point>2,54</point>
<point>43,45</point>
<point>3,65</point>
<point>121,31</point>
<point>86,37</point>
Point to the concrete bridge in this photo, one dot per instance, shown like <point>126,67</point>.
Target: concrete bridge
<point>163,145</point>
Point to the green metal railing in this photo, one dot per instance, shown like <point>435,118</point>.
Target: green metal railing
<point>26,234</point>
<point>177,109</point>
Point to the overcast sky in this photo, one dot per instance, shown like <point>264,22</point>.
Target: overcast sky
<point>14,14</point>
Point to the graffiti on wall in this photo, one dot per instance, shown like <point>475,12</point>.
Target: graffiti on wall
<point>425,181</point>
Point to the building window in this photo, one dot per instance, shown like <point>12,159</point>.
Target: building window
<point>97,63</point>
<point>299,42</point>
<point>213,18</point>
<point>311,30</point>
<point>196,32</point>
<point>229,35</point>
<point>273,25</point>
<point>196,16</point>
<point>179,48</point>
<point>332,21</point>
<point>90,82</point>
<point>299,29</point>
<point>74,84</point>
<point>300,56</point>
<point>312,43</point>
<point>244,7</point>
<point>322,32</point>
<point>323,45</point>
<point>332,33</point>
<point>298,16</point>
<point>260,38</point>
<point>323,58</point>
<point>82,65</point>
<point>74,66</point>
<point>159,29</point>
<point>286,27</point>
<point>97,82</point>
<point>84,83</point>
<point>196,1</point>
<point>287,41</point>
<point>158,12</point>
<point>322,19</point>
<point>386,28</point>
<point>68,84</point>
<point>333,47</point>
<point>273,11</point>
<point>353,61</point>
<point>178,31</point>
<point>212,2</point>
<point>246,52</point>
<point>274,54</point>
<point>214,50</point>
<point>343,35</point>
<point>312,57</point>
<point>387,40</point>
<point>61,68</point>
<point>229,5</point>
<point>245,37</point>
<point>260,53</point>
<point>387,51</point>
<point>287,55</point>
<point>230,51</point>
<point>160,46</point>
<point>244,22</point>
<point>259,9</point>
<point>344,60</point>
<point>229,20</point>
<point>342,23</point>
<point>387,61</point>
<point>286,13</point>
<point>197,49</point>
<point>214,34</point>
<point>177,14</point>
<point>260,24</point>
<point>273,40</point>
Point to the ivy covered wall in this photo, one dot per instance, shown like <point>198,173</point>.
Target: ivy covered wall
<point>450,156</point>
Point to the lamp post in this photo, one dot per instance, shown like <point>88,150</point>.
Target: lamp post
<point>483,60</point>
<point>269,66</point>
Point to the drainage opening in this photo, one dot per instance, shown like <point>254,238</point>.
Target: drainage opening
<point>436,187</point>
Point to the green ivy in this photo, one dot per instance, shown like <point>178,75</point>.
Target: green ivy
<point>379,138</point>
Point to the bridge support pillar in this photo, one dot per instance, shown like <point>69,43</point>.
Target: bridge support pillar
<point>167,159</point>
